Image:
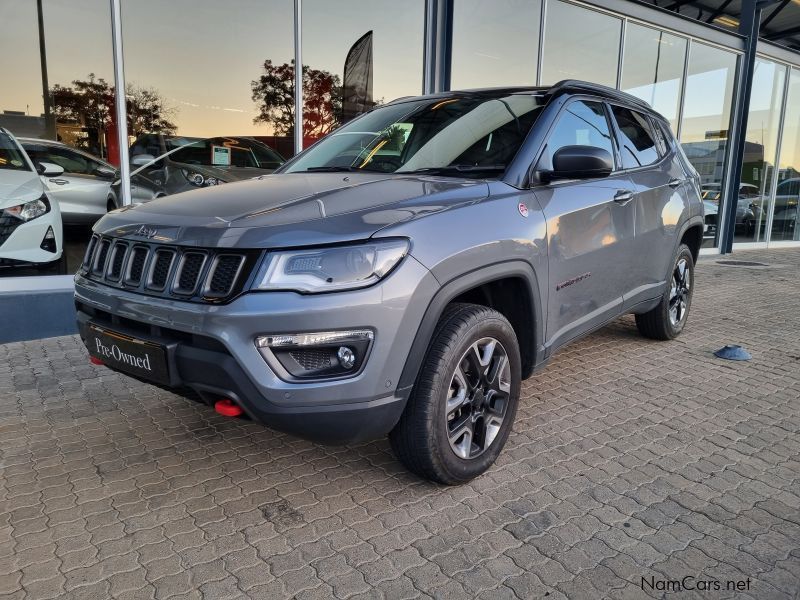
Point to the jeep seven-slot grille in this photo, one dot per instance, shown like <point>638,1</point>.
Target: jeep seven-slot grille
<point>117,260</point>
<point>197,274</point>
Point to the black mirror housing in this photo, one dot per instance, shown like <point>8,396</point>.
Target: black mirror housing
<point>581,162</point>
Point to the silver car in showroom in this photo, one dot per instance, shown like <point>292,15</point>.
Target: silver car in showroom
<point>83,189</point>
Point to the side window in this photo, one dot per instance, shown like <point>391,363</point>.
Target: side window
<point>581,123</point>
<point>636,138</point>
<point>70,161</point>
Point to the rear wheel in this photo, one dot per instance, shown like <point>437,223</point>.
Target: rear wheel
<point>666,321</point>
<point>463,405</point>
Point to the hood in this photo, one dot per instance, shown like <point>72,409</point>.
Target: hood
<point>292,209</point>
<point>17,187</point>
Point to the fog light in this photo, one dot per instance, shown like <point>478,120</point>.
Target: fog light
<point>347,357</point>
<point>321,355</point>
<point>49,241</point>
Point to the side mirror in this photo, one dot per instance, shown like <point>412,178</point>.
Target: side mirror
<point>49,169</point>
<point>141,160</point>
<point>581,162</point>
<point>105,172</point>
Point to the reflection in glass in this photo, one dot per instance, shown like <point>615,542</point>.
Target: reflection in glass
<point>185,76</point>
<point>374,57</point>
<point>495,43</point>
<point>652,68</point>
<point>60,115</point>
<point>761,145</point>
<point>580,44</point>
<point>165,165</point>
<point>705,121</point>
<point>787,195</point>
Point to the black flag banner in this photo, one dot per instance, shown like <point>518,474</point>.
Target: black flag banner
<point>357,84</point>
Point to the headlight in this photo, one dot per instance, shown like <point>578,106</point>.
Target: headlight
<point>199,179</point>
<point>29,210</point>
<point>331,269</point>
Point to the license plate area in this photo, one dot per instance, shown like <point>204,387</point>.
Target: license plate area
<point>141,358</point>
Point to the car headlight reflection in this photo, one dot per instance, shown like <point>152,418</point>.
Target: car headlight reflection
<point>199,180</point>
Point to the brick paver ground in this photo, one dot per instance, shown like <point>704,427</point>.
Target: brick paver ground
<point>629,459</point>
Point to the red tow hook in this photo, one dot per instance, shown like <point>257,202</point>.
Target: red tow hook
<point>228,408</point>
<point>95,361</point>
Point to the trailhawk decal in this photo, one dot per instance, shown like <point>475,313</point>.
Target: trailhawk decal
<point>574,280</point>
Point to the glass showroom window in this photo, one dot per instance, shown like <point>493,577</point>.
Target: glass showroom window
<point>711,74</point>
<point>652,68</point>
<point>375,57</point>
<point>761,145</point>
<point>786,216</point>
<point>60,136</point>
<point>209,90</point>
<point>495,43</point>
<point>580,44</point>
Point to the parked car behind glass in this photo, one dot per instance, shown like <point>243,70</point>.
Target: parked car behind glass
<point>169,165</point>
<point>83,189</point>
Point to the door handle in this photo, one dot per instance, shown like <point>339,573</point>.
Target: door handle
<point>59,181</point>
<point>623,196</point>
<point>675,182</point>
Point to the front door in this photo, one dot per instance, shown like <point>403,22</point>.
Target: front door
<point>590,226</point>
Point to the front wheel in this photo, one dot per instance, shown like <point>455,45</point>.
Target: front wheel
<point>666,321</point>
<point>463,405</point>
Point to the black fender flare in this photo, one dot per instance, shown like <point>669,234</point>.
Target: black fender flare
<point>463,283</point>
<point>695,221</point>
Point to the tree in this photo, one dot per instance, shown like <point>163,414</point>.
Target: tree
<point>273,92</point>
<point>148,112</point>
<point>89,103</point>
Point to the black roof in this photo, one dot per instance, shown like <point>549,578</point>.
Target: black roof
<point>565,86</point>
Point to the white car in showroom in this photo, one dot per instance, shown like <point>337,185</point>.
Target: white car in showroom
<point>30,220</point>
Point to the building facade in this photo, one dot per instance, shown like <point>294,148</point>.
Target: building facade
<point>210,87</point>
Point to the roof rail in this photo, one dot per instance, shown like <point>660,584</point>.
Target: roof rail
<point>596,88</point>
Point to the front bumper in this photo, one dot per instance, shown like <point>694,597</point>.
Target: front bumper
<point>23,244</point>
<point>211,348</point>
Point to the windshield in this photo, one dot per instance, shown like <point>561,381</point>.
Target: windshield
<point>10,156</point>
<point>470,136</point>
<point>226,152</point>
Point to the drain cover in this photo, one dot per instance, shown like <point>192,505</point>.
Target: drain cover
<point>741,263</point>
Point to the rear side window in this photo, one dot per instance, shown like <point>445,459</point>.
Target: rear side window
<point>637,143</point>
<point>581,123</point>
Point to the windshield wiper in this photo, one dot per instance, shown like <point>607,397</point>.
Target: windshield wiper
<point>327,169</point>
<point>456,169</point>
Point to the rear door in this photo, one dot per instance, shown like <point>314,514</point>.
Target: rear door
<point>589,229</point>
<point>660,201</point>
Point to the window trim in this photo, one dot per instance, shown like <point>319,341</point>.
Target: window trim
<point>617,132</point>
<point>533,180</point>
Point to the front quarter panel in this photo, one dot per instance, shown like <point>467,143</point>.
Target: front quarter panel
<point>483,241</point>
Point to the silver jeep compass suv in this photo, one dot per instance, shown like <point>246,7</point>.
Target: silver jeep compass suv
<point>403,275</point>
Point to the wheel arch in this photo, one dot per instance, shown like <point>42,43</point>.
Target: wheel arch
<point>692,236</point>
<point>510,287</point>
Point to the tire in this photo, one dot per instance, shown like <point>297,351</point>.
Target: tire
<point>111,205</point>
<point>468,339</point>
<point>667,320</point>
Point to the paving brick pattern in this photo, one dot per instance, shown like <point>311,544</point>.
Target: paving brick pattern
<point>629,459</point>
